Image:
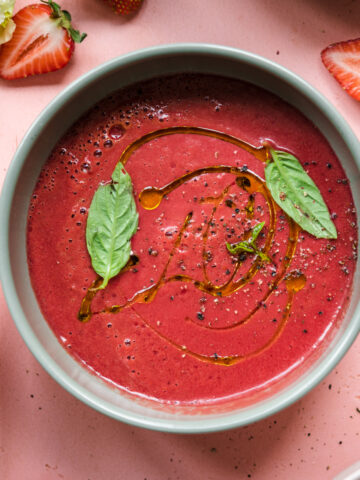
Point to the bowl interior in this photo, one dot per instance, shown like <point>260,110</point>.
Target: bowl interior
<point>22,176</point>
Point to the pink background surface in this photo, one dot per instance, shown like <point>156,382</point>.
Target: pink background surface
<point>47,434</point>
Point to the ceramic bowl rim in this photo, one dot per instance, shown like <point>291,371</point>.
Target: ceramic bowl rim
<point>234,418</point>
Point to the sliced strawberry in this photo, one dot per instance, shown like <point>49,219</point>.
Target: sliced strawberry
<point>43,41</point>
<point>124,7</point>
<point>343,62</point>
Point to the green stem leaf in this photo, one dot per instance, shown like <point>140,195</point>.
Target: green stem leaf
<point>249,246</point>
<point>296,193</point>
<point>255,232</point>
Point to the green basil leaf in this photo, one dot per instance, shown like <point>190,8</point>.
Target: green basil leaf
<point>240,247</point>
<point>255,232</point>
<point>296,193</point>
<point>111,222</point>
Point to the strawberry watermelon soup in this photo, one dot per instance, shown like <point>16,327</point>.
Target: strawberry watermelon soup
<point>192,239</point>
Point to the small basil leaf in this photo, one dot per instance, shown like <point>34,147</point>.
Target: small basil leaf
<point>240,247</point>
<point>111,222</point>
<point>296,193</point>
<point>255,232</point>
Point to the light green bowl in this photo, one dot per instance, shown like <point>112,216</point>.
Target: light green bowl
<point>21,179</point>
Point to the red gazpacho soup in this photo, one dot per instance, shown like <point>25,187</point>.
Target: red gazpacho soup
<point>223,293</point>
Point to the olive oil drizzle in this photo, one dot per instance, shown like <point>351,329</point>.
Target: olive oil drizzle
<point>227,360</point>
<point>151,197</point>
<point>85,312</point>
<point>261,153</point>
<point>147,295</point>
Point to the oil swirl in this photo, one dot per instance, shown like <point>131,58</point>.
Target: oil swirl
<point>151,197</point>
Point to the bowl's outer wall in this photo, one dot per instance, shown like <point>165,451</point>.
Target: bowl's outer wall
<point>22,177</point>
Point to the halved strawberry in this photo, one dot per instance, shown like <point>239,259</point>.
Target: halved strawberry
<point>43,41</point>
<point>342,59</point>
<point>124,7</point>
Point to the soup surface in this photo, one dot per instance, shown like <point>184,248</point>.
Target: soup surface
<point>186,321</point>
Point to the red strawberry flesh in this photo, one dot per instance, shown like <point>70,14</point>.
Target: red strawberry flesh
<point>342,59</point>
<point>42,42</point>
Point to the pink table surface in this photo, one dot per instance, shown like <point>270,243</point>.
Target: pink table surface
<point>45,433</point>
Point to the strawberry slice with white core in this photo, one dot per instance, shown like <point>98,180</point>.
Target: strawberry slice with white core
<point>43,41</point>
<point>342,59</point>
